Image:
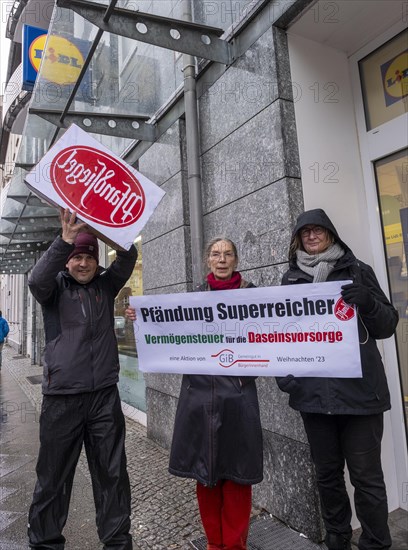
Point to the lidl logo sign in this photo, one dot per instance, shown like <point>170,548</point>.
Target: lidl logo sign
<point>395,78</point>
<point>36,50</point>
<point>30,69</point>
<point>62,59</point>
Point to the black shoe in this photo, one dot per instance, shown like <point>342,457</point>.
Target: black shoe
<point>334,541</point>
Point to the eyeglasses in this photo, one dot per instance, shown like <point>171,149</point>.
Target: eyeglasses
<point>226,255</point>
<point>317,230</point>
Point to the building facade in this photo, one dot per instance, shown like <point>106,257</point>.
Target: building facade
<point>296,108</point>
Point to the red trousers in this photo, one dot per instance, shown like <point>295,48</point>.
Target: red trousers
<point>225,512</point>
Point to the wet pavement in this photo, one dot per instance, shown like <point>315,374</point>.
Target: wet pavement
<point>164,510</point>
<point>18,448</point>
<point>164,513</point>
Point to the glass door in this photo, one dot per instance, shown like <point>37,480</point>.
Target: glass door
<point>383,131</point>
<point>379,80</point>
<point>131,384</point>
<point>392,186</point>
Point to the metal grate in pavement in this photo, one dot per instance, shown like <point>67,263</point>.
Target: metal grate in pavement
<point>267,533</point>
<point>37,379</point>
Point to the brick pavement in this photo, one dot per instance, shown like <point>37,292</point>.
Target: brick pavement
<point>164,511</point>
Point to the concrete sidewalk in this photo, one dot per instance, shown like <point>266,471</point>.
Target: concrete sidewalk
<point>164,509</point>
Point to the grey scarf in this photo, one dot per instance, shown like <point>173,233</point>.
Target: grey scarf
<point>319,265</point>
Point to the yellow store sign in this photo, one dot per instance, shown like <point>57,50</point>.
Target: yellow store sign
<point>393,233</point>
<point>62,61</point>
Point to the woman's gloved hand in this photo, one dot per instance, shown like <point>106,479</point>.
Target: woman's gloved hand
<point>288,383</point>
<point>358,294</point>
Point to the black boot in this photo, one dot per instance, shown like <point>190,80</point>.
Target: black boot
<point>334,541</point>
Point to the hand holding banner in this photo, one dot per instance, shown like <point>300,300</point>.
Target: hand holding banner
<point>305,330</point>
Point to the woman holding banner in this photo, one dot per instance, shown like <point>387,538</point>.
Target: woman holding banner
<point>343,417</point>
<point>217,438</point>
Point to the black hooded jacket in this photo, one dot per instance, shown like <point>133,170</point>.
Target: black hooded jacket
<point>366,395</point>
<point>81,353</point>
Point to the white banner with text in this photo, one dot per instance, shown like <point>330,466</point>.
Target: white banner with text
<point>304,330</point>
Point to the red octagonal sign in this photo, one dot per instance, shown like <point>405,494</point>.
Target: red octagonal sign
<point>97,186</point>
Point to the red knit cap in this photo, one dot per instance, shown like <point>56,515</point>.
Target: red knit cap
<point>86,243</point>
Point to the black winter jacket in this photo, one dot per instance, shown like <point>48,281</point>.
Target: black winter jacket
<point>366,395</point>
<point>81,353</point>
<point>217,430</point>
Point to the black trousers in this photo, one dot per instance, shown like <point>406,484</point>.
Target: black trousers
<point>356,440</point>
<point>66,423</point>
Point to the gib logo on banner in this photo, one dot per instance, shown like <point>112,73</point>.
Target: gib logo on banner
<point>81,174</point>
<point>304,330</point>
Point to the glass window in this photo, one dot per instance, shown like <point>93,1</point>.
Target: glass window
<point>392,178</point>
<point>125,76</point>
<point>131,381</point>
<point>384,80</point>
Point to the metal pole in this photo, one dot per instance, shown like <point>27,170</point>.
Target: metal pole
<point>193,158</point>
<point>34,334</point>
<point>24,316</point>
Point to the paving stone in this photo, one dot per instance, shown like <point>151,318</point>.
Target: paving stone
<point>164,510</point>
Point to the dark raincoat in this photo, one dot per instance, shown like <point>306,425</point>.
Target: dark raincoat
<point>81,353</point>
<point>217,430</point>
<point>81,403</point>
<point>366,395</point>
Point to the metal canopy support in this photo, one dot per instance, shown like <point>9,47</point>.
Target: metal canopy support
<point>244,37</point>
<point>19,257</point>
<point>30,242</point>
<point>29,199</point>
<point>172,34</point>
<point>24,166</point>
<point>17,219</point>
<point>18,267</point>
<point>124,126</point>
<point>238,40</point>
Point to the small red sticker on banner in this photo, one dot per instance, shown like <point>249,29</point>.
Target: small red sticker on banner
<point>343,311</point>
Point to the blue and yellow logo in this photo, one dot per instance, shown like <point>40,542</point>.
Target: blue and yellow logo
<point>62,62</point>
<point>395,78</point>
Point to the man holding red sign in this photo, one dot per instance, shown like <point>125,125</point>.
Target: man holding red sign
<point>81,403</point>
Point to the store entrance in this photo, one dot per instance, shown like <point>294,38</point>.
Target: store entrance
<point>381,107</point>
<point>392,186</point>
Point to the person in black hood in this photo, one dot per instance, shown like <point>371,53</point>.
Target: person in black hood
<point>81,403</point>
<point>343,417</point>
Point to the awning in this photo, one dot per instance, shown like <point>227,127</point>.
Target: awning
<point>115,69</point>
